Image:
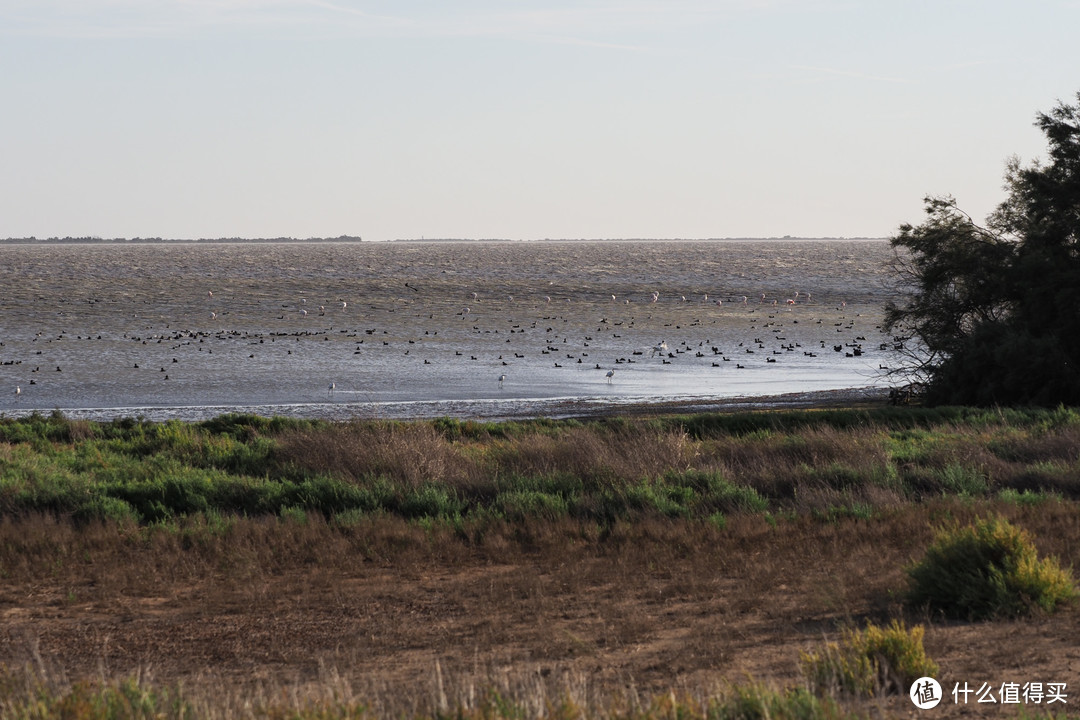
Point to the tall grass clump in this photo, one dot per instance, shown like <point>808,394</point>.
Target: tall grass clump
<point>757,702</point>
<point>987,569</point>
<point>128,699</point>
<point>868,663</point>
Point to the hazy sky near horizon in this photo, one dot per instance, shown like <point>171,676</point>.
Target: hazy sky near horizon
<point>520,119</point>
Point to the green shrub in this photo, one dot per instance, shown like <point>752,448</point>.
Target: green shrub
<point>1028,497</point>
<point>106,508</point>
<point>293,515</point>
<point>717,520</point>
<point>430,501</point>
<point>518,505</point>
<point>714,492</point>
<point>870,662</point>
<point>985,570</point>
<point>855,510</point>
<point>956,478</point>
<point>649,497</point>
<point>349,518</point>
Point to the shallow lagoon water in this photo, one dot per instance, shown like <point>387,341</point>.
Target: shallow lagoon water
<point>193,330</point>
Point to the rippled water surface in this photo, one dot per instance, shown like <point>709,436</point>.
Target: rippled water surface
<point>420,329</point>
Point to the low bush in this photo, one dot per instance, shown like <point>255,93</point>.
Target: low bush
<point>868,663</point>
<point>714,492</point>
<point>986,570</point>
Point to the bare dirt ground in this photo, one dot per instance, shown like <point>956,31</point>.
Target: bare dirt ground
<point>632,616</point>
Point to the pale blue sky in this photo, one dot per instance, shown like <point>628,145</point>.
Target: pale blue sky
<point>519,119</point>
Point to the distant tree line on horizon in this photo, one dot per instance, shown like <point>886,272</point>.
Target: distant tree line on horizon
<point>94,239</point>
<point>799,238</point>
<point>88,240</point>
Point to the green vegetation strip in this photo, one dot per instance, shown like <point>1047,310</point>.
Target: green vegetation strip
<point>827,463</point>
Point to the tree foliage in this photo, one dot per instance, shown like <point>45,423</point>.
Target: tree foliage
<point>994,310</point>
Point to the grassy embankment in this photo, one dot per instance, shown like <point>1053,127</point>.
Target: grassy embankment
<point>705,467</point>
<point>277,492</point>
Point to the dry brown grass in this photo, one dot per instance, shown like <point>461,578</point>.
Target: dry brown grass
<point>805,469</point>
<point>416,453</point>
<point>651,600</point>
<point>370,607</point>
<point>412,453</point>
<point>1057,445</point>
<point>812,470</point>
<point>626,454</point>
<point>262,606</point>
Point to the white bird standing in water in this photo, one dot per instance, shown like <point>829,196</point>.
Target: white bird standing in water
<point>502,379</point>
<point>610,374</point>
<point>18,391</point>
<point>330,390</point>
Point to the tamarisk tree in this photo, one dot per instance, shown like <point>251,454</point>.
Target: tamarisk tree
<point>993,311</point>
